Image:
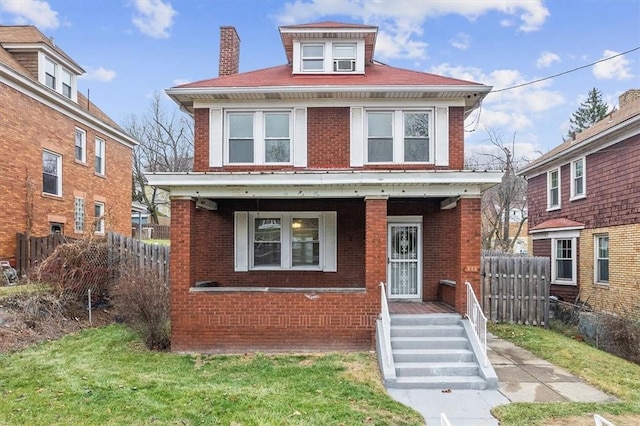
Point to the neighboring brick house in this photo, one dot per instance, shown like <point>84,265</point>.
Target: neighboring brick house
<point>314,182</point>
<point>584,210</point>
<point>66,166</point>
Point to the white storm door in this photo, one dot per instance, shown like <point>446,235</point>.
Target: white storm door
<point>404,267</point>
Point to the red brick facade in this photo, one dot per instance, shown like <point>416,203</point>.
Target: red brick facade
<point>27,127</point>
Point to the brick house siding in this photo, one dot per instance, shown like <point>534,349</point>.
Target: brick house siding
<point>221,304</point>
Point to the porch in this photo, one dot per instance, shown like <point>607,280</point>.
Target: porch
<point>419,308</point>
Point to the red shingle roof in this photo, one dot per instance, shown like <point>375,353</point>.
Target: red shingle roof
<point>375,75</point>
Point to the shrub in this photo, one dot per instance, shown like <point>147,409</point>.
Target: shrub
<point>141,300</point>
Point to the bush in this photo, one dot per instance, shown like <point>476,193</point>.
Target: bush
<point>141,300</point>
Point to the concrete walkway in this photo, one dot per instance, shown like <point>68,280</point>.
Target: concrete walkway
<point>522,377</point>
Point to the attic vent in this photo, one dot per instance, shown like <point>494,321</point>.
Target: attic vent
<point>344,65</point>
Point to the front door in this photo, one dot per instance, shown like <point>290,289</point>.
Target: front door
<point>404,269</point>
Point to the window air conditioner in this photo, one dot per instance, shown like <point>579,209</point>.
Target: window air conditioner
<point>344,65</point>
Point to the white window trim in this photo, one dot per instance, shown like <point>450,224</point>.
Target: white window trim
<point>59,168</point>
<point>575,196</point>
<point>244,223</point>
<point>103,150</point>
<point>259,137</point>
<point>99,221</point>
<point>397,129</point>
<point>328,56</point>
<point>58,67</point>
<point>84,146</point>
<point>76,222</point>
<point>574,266</point>
<point>596,250</point>
<point>559,205</point>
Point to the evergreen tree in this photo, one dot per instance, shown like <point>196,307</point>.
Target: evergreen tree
<point>590,112</point>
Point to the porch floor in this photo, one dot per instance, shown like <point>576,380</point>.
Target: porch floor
<point>417,308</point>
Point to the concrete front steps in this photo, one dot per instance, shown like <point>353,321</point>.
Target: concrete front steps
<point>434,352</point>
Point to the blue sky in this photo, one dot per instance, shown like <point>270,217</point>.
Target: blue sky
<point>131,48</point>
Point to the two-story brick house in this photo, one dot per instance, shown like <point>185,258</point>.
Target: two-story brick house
<point>584,210</point>
<point>314,182</point>
<point>66,166</point>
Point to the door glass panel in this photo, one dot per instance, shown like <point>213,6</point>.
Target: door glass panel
<point>403,260</point>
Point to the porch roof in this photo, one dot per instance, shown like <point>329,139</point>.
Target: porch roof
<point>326,184</point>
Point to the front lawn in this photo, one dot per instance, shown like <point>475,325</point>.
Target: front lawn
<point>609,373</point>
<point>107,376</point>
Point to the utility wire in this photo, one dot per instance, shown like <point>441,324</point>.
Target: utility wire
<point>564,72</point>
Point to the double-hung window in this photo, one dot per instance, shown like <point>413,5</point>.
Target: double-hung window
<point>66,80</point>
<point>81,145</point>
<point>578,184</point>
<point>51,173</point>
<point>344,57</point>
<point>553,189</point>
<point>285,241</point>
<point>99,157</point>
<point>564,260</point>
<point>78,215</point>
<point>99,217</point>
<point>312,57</point>
<point>399,137</point>
<point>601,246</point>
<point>260,137</point>
<point>50,73</point>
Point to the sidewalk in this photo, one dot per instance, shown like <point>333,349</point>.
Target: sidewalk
<point>522,377</point>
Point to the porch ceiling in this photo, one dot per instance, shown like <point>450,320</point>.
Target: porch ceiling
<point>345,184</point>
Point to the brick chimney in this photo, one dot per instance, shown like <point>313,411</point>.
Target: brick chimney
<point>628,97</point>
<point>229,51</point>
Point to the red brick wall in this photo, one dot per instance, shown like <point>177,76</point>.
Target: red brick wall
<point>456,138</point>
<point>229,51</point>
<point>26,128</point>
<point>201,140</point>
<point>613,190</point>
<point>328,137</point>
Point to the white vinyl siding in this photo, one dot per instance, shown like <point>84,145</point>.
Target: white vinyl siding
<point>285,241</point>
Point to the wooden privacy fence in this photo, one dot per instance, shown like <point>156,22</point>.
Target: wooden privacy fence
<point>515,289</point>
<point>130,251</point>
<point>31,251</point>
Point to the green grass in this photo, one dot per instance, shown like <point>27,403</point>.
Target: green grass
<point>8,291</point>
<point>106,376</point>
<point>159,242</point>
<point>607,372</point>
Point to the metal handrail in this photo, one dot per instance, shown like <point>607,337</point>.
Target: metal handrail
<point>478,321</point>
<point>386,324</point>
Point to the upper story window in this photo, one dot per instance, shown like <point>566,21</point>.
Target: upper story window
<point>51,173</point>
<point>81,145</point>
<point>259,137</point>
<point>100,160</point>
<point>312,57</point>
<point>344,57</point>
<point>399,137</point>
<point>553,189</point>
<point>578,182</point>
<point>58,78</point>
<point>332,57</point>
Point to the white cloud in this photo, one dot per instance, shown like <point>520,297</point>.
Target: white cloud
<point>546,59</point>
<point>401,21</point>
<point>100,74</point>
<point>462,41</point>
<point>35,12</point>
<point>154,18</point>
<point>617,68</point>
<point>180,81</point>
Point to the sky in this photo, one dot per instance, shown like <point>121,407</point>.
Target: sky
<point>133,48</point>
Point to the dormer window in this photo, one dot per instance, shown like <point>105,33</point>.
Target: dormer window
<point>328,57</point>
<point>344,57</point>
<point>312,57</point>
<point>57,77</point>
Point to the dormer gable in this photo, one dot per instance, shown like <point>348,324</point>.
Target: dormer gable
<point>329,47</point>
<point>42,59</point>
